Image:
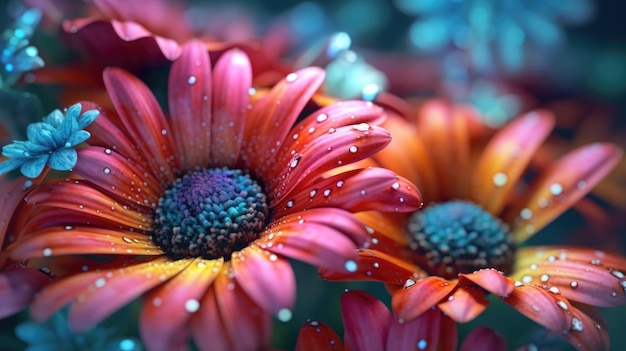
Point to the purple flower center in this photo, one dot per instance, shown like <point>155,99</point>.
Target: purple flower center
<point>459,237</point>
<point>210,213</point>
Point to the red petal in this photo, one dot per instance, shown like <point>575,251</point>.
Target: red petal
<point>167,309</point>
<point>465,303</point>
<point>321,122</point>
<point>144,120</point>
<point>106,133</point>
<point>268,279</point>
<point>366,321</point>
<point>189,100</point>
<point>564,183</point>
<point>271,118</point>
<point>18,287</point>
<point>356,190</point>
<point>232,81</point>
<point>430,331</point>
<point>491,280</point>
<point>13,193</point>
<point>505,158</point>
<point>117,288</point>
<point>209,332</point>
<point>317,336</point>
<point>485,339</point>
<point>83,240</point>
<point>415,299</point>
<point>377,266</point>
<point>586,279</point>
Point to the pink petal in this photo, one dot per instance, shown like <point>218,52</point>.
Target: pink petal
<point>144,120</point>
<point>207,328</point>
<point>232,81</point>
<point>564,183</point>
<point>13,193</point>
<point>18,286</point>
<point>272,117</point>
<point>167,309</point>
<point>356,190</point>
<point>189,101</point>
<point>366,321</point>
<point>116,287</point>
<point>268,279</point>
<point>483,338</point>
<point>506,157</point>
<point>419,296</point>
<point>491,280</point>
<point>106,133</point>
<point>430,331</point>
<point>321,122</point>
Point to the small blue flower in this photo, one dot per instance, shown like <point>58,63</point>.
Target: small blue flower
<point>50,142</point>
<point>17,55</point>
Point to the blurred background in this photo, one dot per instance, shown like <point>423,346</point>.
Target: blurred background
<point>503,57</point>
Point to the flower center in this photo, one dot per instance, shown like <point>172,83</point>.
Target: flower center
<point>459,237</point>
<point>210,213</point>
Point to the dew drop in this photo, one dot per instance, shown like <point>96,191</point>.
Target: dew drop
<point>192,305</point>
<point>290,204</point>
<point>422,344</point>
<point>409,283</point>
<point>353,149</point>
<point>99,282</point>
<point>191,80</point>
<point>362,127</point>
<point>563,305</point>
<point>127,345</point>
<point>107,151</point>
<point>395,186</point>
<point>47,251</point>
<point>577,325</point>
<point>321,117</point>
<point>291,77</point>
<point>284,315</point>
<point>573,284</point>
<point>106,170</point>
<point>351,266</point>
<point>556,189</point>
<point>273,257</point>
<point>500,179</point>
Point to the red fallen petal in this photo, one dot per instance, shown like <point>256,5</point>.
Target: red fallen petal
<point>562,185</point>
<point>323,121</point>
<point>117,287</point>
<point>317,336</point>
<point>356,190</point>
<point>189,101</point>
<point>207,328</point>
<point>166,310</point>
<point>376,266</point>
<point>430,331</point>
<point>272,117</point>
<point>18,286</point>
<point>82,240</point>
<point>144,120</point>
<point>366,321</point>
<point>491,280</point>
<point>419,296</point>
<point>465,303</point>
<point>508,154</point>
<point>483,338</point>
<point>247,325</point>
<point>268,279</point>
<point>85,201</point>
<point>231,83</point>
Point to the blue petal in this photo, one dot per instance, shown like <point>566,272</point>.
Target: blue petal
<point>55,118</point>
<point>9,165</point>
<point>69,125</point>
<point>77,138</point>
<point>34,333</point>
<point>63,159</point>
<point>87,118</point>
<point>16,150</point>
<point>34,167</point>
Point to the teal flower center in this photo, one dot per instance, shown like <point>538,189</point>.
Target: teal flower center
<point>459,237</point>
<point>210,213</point>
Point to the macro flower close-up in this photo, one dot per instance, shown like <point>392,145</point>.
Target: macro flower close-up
<point>480,208</point>
<point>197,210</point>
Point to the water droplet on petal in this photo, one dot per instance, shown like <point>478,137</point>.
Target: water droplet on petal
<point>192,305</point>
<point>191,80</point>
<point>422,344</point>
<point>322,117</point>
<point>351,266</point>
<point>106,170</point>
<point>353,149</point>
<point>284,315</point>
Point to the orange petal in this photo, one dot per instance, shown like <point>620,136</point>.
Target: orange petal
<point>491,280</point>
<point>232,81</point>
<point>560,186</point>
<point>419,296</point>
<point>317,336</point>
<point>377,266</point>
<point>167,309</point>
<point>465,303</point>
<point>189,101</point>
<point>505,158</point>
<point>268,279</point>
